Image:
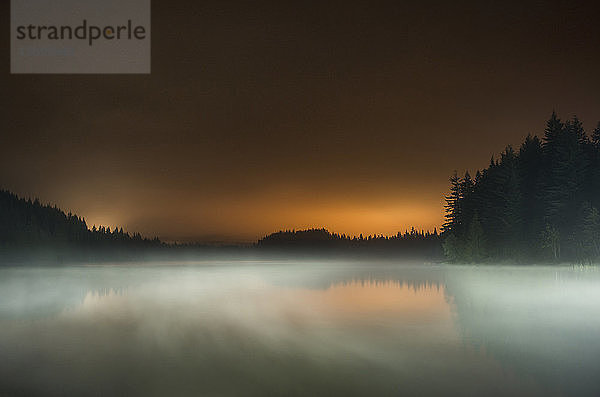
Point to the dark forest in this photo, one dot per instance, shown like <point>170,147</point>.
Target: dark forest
<point>539,203</point>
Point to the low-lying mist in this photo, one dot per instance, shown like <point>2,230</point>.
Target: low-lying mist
<point>298,327</point>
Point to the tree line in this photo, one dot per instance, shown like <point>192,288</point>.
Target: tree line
<point>539,203</point>
<point>27,226</point>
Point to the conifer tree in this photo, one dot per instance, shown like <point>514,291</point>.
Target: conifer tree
<point>453,206</point>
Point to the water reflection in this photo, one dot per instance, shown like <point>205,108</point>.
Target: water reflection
<point>389,297</point>
<point>306,328</point>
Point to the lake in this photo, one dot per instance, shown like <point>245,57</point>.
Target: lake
<point>299,328</point>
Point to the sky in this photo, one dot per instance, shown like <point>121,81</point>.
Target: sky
<point>262,116</point>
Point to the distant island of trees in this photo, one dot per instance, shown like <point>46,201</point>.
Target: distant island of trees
<point>537,204</point>
<point>411,243</point>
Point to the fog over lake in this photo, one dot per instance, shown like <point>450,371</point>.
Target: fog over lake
<point>299,328</point>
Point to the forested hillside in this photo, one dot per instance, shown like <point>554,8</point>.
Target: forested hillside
<point>27,224</point>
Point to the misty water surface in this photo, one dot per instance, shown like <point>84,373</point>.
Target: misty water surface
<point>299,328</point>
